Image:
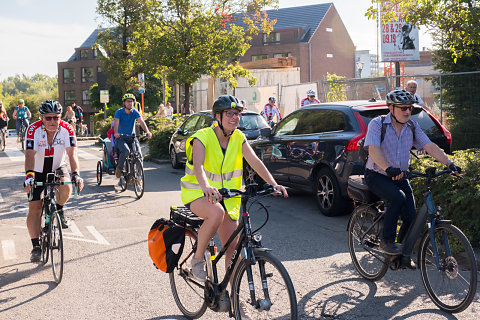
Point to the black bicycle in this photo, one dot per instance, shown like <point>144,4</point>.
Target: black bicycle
<point>51,239</point>
<point>445,257</point>
<point>261,286</point>
<point>133,169</point>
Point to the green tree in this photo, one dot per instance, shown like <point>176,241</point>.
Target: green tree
<point>337,88</point>
<point>456,21</point>
<point>186,39</point>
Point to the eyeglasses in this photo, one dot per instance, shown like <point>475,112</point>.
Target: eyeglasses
<point>311,96</point>
<point>47,118</point>
<point>405,108</point>
<point>231,114</point>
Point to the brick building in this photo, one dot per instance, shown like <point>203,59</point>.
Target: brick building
<point>78,74</point>
<point>315,35</point>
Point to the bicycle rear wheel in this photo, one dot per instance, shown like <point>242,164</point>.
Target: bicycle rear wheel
<point>56,247</point>
<point>274,293</point>
<point>189,295</point>
<point>139,178</point>
<point>99,172</point>
<point>2,143</point>
<point>22,138</point>
<point>453,284</point>
<point>363,241</point>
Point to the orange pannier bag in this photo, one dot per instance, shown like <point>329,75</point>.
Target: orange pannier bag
<point>165,244</point>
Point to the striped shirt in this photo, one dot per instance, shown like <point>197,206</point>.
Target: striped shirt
<point>395,148</point>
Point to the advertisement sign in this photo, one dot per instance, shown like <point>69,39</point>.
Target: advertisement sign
<point>104,98</point>
<point>399,40</point>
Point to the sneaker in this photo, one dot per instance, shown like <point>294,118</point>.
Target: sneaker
<point>118,173</point>
<point>198,270</point>
<point>407,263</point>
<point>36,254</point>
<point>62,219</point>
<point>390,248</point>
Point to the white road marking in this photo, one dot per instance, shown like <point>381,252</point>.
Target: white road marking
<point>97,235</point>
<point>17,208</point>
<point>74,231</point>
<point>14,155</point>
<point>85,155</point>
<point>8,248</point>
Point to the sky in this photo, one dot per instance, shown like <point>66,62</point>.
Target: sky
<point>35,35</point>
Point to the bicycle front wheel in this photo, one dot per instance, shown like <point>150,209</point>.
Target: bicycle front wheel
<point>453,282</point>
<point>139,178</point>
<point>189,295</point>
<point>56,247</point>
<point>363,242</point>
<point>274,293</point>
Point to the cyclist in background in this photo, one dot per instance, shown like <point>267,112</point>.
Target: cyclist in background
<point>388,159</point>
<point>22,115</point>
<point>48,141</point>
<point>78,116</point>
<point>310,99</point>
<point>70,117</point>
<point>123,128</point>
<point>270,110</point>
<point>3,121</point>
<point>215,160</point>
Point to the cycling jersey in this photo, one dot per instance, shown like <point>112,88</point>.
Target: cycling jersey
<point>306,102</point>
<point>49,158</point>
<point>269,112</point>
<point>22,113</point>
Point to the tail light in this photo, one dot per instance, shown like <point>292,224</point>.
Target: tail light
<point>354,143</point>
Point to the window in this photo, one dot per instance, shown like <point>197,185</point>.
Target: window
<point>329,29</point>
<point>99,69</point>
<point>271,38</point>
<point>68,75</point>
<point>288,126</point>
<point>203,122</point>
<point>260,57</point>
<point>87,74</point>
<point>95,53</point>
<point>320,121</point>
<point>329,55</point>
<point>190,124</point>
<point>282,55</point>
<point>69,96</point>
<point>84,54</point>
<point>85,97</point>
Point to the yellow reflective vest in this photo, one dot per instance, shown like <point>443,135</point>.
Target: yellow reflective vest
<point>222,170</point>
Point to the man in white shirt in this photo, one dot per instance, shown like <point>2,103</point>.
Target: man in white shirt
<point>412,89</point>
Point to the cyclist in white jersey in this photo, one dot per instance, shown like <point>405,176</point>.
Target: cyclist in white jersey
<point>270,110</point>
<point>310,99</point>
<point>48,141</point>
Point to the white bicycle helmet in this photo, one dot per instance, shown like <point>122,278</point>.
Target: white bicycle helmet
<point>310,92</point>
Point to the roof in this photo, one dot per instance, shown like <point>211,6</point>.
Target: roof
<point>88,43</point>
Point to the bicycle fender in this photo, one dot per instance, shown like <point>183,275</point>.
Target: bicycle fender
<point>261,249</point>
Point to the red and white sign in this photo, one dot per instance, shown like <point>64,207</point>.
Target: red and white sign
<point>399,40</point>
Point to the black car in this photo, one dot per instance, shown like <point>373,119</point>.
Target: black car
<point>250,123</point>
<point>316,148</point>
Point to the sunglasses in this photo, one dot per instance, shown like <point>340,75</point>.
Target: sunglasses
<point>48,118</point>
<point>405,108</point>
<point>231,114</point>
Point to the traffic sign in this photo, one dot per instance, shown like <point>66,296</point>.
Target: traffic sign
<point>141,90</point>
<point>104,98</point>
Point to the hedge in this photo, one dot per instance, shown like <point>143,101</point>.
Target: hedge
<point>459,197</point>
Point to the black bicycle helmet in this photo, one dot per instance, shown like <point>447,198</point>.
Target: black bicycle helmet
<point>50,107</point>
<point>272,99</point>
<point>399,97</point>
<point>226,103</point>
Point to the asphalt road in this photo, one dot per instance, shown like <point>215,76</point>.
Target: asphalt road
<point>109,275</point>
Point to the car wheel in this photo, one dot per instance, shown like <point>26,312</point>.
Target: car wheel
<point>174,159</point>
<point>327,193</point>
<point>250,176</point>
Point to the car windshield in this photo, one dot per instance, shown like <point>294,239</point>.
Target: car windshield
<point>420,116</point>
<point>252,121</point>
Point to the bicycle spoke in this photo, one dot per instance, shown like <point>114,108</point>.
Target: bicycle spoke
<point>56,247</point>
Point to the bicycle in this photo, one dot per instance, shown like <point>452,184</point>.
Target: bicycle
<point>261,284</point>
<point>133,171</point>
<point>3,135</point>
<point>23,128</point>
<point>445,256</point>
<point>51,238</point>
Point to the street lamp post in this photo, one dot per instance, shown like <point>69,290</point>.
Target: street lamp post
<point>359,65</point>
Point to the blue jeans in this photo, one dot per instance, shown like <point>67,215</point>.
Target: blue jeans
<point>123,146</point>
<point>400,203</point>
<point>19,124</point>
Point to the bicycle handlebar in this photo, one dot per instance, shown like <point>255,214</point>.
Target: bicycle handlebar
<point>429,173</point>
<point>251,191</point>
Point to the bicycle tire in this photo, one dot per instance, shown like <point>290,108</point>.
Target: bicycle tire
<point>189,295</point>
<point>22,138</point>
<point>139,178</point>
<point>56,247</point>
<point>2,143</point>
<point>44,240</point>
<point>272,284</point>
<point>453,287</point>
<point>369,262</point>
<point>99,172</point>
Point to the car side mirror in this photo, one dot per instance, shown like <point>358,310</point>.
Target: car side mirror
<point>266,132</point>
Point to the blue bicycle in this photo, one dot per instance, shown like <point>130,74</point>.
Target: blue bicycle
<point>445,257</point>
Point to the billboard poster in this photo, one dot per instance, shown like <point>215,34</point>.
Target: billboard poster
<point>399,40</point>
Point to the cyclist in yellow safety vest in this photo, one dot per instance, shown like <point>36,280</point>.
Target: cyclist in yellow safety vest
<point>214,161</point>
